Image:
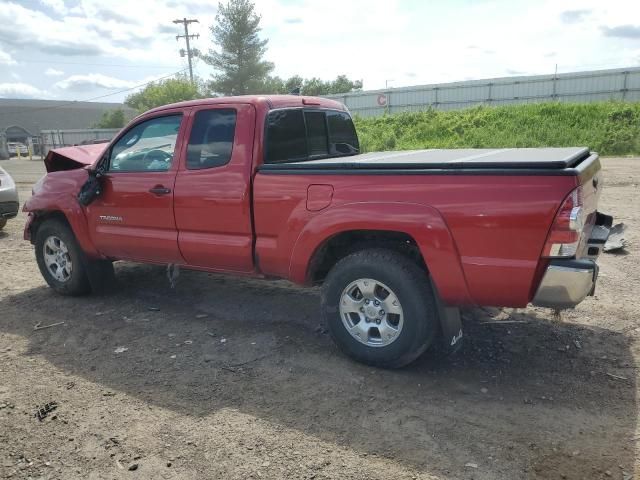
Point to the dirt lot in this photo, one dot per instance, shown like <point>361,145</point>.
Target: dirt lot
<point>235,378</point>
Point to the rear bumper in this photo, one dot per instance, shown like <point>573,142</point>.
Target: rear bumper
<point>567,282</point>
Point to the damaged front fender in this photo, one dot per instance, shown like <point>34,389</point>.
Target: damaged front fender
<point>56,194</point>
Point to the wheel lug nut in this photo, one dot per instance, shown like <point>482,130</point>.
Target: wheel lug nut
<point>376,303</point>
<point>382,313</point>
<point>378,321</point>
<point>366,301</point>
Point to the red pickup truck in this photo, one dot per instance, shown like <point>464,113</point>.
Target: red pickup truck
<point>275,187</point>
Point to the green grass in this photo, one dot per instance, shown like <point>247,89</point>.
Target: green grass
<point>609,128</point>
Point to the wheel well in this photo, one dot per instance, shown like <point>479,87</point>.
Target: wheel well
<point>346,243</point>
<point>43,216</point>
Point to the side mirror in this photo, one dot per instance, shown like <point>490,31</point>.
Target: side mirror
<point>90,189</point>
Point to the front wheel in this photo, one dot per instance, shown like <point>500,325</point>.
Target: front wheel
<point>380,308</point>
<point>60,259</point>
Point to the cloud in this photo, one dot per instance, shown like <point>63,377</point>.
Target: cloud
<point>92,81</point>
<point>370,39</point>
<point>23,28</point>
<point>172,29</point>
<point>622,31</point>
<point>71,50</point>
<point>57,6</point>
<point>191,7</point>
<point>19,90</point>
<point>52,72</point>
<point>123,39</point>
<point>574,16</point>
<point>6,59</point>
<point>107,14</point>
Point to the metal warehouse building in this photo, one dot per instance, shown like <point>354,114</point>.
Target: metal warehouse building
<point>23,120</point>
<point>592,86</point>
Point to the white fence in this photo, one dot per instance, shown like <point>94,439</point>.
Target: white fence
<point>593,86</point>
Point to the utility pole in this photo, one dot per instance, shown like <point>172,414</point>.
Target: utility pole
<point>186,36</point>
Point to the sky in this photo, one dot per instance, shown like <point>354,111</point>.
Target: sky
<point>99,50</point>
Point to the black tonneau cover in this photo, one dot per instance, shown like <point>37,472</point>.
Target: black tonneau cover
<point>542,159</point>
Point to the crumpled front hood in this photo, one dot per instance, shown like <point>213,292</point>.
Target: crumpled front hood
<point>71,158</point>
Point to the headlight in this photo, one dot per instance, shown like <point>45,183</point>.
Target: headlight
<point>38,185</point>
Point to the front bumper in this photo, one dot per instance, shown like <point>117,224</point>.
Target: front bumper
<point>567,282</point>
<point>8,209</point>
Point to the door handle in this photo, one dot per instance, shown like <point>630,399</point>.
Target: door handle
<point>160,190</point>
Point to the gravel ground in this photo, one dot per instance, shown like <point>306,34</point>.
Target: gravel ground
<point>235,378</point>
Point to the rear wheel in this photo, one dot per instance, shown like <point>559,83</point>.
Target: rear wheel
<point>3,222</point>
<point>60,259</point>
<point>379,307</point>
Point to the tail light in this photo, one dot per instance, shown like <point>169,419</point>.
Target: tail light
<point>568,227</point>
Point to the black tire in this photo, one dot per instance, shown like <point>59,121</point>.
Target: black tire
<point>412,287</point>
<point>3,222</point>
<point>78,281</point>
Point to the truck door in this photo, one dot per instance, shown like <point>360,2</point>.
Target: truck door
<point>212,199</point>
<point>133,217</point>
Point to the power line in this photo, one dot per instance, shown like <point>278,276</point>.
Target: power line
<point>134,87</point>
<point>72,102</point>
<point>186,36</point>
<point>96,64</point>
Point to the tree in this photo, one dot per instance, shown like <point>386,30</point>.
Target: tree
<point>292,83</point>
<point>112,119</point>
<point>315,86</point>
<point>162,92</point>
<point>343,85</point>
<point>310,86</point>
<point>273,85</point>
<point>239,61</point>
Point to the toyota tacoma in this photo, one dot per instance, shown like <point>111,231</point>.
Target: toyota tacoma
<point>276,187</point>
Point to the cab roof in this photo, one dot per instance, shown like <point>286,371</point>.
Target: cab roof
<point>271,101</point>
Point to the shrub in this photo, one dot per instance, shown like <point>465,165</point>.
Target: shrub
<point>609,128</point>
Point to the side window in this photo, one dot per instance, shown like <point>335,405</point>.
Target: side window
<point>211,139</point>
<point>316,133</point>
<point>149,146</point>
<point>286,140</point>
<point>342,134</point>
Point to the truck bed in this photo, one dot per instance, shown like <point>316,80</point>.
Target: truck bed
<point>553,161</point>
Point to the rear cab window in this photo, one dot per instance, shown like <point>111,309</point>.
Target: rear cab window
<point>296,135</point>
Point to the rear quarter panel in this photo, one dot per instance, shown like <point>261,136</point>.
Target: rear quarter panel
<point>480,235</point>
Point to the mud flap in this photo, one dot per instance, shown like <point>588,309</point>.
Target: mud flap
<point>173,272</point>
<point>450,326</point>
<point>101,275</point>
